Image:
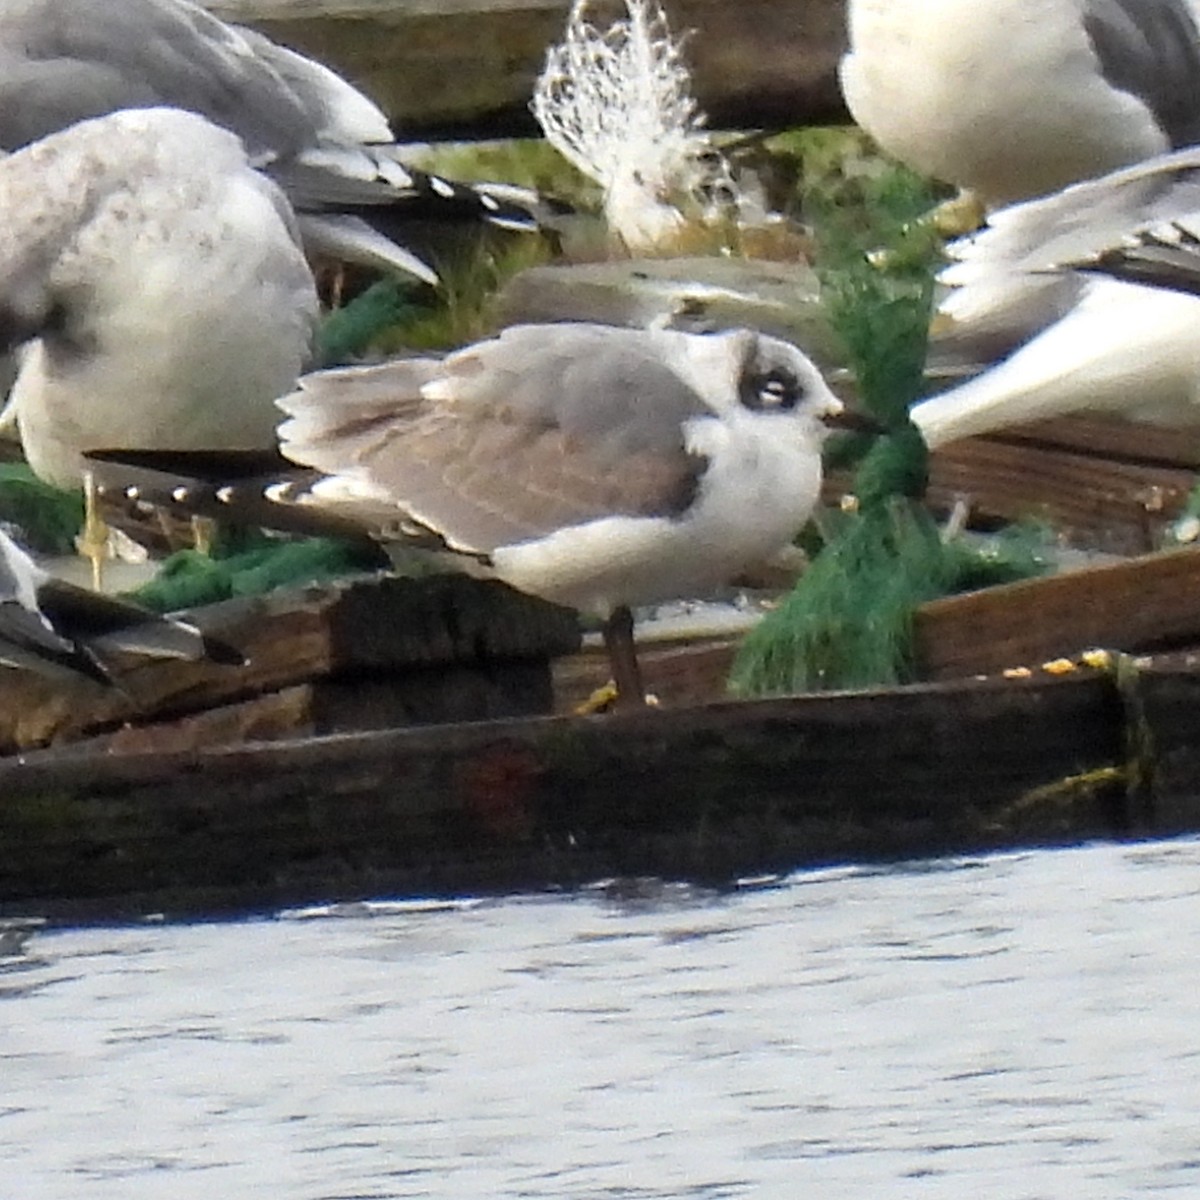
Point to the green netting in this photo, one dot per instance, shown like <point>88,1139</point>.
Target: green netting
<point>188,579</point>
<point>848,622</point>
<point>46,518</point>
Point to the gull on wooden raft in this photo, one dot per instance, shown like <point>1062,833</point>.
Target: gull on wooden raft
<point>155,285</point>
<point>325,143</point>
<point>1013,99</point>
<point>1072,294</point>
<point>597,467</point>
<point>57,629</point>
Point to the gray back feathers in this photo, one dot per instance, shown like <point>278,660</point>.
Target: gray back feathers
<point>540,428</point>
<point>1151,49</point>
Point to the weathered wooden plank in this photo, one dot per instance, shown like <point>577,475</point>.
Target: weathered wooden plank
<point>675,673</point>
<point>708,792</point>
<point>434,649</point>
<point>466,68</point>
<point>1162,697</point>
<point>1140,604</point>
<point>1111,437</point>
<point>1100,485</point>
<point>1102,504</point>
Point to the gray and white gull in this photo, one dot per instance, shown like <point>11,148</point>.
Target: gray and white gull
<point>325,143</point>
<point>1017,98</point>
<point>156,286</point>
<point>597,467</point>
<point>1084,298</point>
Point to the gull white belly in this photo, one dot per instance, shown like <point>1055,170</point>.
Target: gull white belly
<point>177,346</point>
<point>1006,96</point>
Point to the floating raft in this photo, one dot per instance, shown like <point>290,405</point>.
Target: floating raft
<point>706,793</point>
<point>401,737</point>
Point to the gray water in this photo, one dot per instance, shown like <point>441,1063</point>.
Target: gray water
<point>1018,1026</point>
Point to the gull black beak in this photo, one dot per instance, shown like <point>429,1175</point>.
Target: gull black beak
<point>853,421</point>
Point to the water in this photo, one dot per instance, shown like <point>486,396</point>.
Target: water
<point>1019,1026</point>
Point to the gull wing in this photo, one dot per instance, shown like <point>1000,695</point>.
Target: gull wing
<point>507,440</point>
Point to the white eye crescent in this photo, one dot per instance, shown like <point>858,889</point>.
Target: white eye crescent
<point>771,391</point>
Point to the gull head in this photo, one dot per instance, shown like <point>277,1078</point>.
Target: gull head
<point>744,375</point>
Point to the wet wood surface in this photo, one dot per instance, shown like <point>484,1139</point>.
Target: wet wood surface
<point>709,793</point>
<point>466,68</point>
<point>1101,483</point>
<point>372,652</point>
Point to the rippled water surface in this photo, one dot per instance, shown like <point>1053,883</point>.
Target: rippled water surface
<point>1024,1026</point>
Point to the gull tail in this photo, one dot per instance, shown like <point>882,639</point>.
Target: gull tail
<point>93,625</point>
<point>1124,349</point>
<point>994,400</point>
<point>336,417</point>
<point>364,205</point>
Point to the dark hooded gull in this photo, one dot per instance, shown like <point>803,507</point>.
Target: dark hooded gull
<point>1052,288</point>
<point>157,286</point>
<point>1014,99</point>
<point>596,467</point>
<point>322,140</point>
<point>55,628</point>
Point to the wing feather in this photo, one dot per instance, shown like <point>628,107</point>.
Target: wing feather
<point>1151,49</point>
<point>510,439</point>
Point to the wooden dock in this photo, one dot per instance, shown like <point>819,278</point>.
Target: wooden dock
<point>466,68</point>
<point>415,736</point>
<point>706,793</point>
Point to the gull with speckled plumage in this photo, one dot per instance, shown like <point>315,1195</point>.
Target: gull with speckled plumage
<point>326,144</point>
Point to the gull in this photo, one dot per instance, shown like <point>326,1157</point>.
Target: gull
<point>325,143</point>
<point>600,468</point>
<point>57,629</point>
<point>1013,99</point>
<point>155,285</point>
<point>1168,257</point>
<point>1067,292</point>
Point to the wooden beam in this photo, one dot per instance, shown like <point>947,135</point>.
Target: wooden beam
<point>372,651</point>
<point>466,68</point>
<point>1100,483</point>
<point>1141,604</point>
<point>703,793</point>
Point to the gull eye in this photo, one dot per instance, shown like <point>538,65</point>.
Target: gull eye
<point>773,391</point>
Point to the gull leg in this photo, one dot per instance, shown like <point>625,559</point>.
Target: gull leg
<point>204,531</point>
<point>961,215</point>
<point>93,537</point>
<point>956,522</point>
<point>622,657</point>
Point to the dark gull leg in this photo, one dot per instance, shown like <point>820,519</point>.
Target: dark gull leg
<point>622,657</point>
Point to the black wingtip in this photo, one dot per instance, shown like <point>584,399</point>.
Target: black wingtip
<point>222,653</point>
